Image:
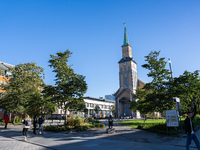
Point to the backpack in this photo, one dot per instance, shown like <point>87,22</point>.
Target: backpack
<point>28,123</point>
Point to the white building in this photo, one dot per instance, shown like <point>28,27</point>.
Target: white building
<point>91,102</point>
<point>104,105</point>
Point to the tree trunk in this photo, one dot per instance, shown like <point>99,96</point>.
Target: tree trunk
<point>145,118</point>
<point>66,117</point>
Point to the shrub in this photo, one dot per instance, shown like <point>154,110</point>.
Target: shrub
<point>97,125</point>
<point>56,128</point>
<point>198,117</point>
<point>90,119</point>
<point>18,119</point>
<point>81,128</point>
<point>185,115</point>
<point>72,121</point>
<point>102,125</point>
<point>139,127</point>
<point>77,122</point>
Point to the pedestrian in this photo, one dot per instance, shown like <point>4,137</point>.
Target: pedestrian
<point>189,129</point>
<point>40,122</point>
<point>26,126</point>
<point>6,119</point>
<point>34,123</point>
<point>110,122</point>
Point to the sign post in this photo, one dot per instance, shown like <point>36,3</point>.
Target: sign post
<point>171,119</point>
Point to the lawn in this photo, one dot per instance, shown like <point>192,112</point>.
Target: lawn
<point>150,122</point>
<point>156,126</point>
<point>135,123</point>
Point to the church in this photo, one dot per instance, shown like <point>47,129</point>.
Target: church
<point>128,81</point>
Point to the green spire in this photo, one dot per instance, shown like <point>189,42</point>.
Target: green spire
<point>126,42</point>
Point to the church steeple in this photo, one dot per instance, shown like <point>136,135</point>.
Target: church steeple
<point>126,42</point>
<point>126,48</point>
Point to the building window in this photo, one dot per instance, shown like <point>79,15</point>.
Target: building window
<point>5,83</point>
<point>1,81</point>
<point>88,105</point>
<point>92,105</point>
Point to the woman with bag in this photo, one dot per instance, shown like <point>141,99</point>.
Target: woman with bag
<point>26,126</point>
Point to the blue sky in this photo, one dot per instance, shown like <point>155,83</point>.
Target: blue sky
<point>93,30</point>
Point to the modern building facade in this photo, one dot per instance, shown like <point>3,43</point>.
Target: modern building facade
<point>91,102</point>
<point>104,105</point>
<point>128,80</point>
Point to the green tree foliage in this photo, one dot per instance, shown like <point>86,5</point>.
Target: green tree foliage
<point>141,102</point>
<point>113,110</point>
<point>155,95</point>
<point>160,98</point>
<point>22,93</point>
<point>25,82</point>
<point>187,88</point>
<point>97,109</point>
<point>40,105</point>
<point>69,87</point>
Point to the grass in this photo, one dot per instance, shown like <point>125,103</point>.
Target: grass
<point>156,126</point>
<point>135,123</point>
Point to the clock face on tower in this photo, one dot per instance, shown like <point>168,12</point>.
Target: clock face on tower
<point>124,63</point>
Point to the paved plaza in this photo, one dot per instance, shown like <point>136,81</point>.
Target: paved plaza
<point>125,138</point>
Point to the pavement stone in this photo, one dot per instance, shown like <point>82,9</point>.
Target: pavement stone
<point>125,138</point>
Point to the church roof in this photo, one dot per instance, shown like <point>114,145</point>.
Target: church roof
<point>126,42</point>
<point>126,59</point>
<point>117,94</point>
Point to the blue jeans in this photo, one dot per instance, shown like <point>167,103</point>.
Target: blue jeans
<point>190,138</point>
<point>40,128</point>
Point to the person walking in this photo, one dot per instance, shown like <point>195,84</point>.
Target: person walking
<point>6,119</point>
<point>189,129</point>
<point>26,126</point>
<point>110,122</point>
<point>34,124</point>
<point>40,122</point>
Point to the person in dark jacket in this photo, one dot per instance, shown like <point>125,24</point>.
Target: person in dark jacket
<point>189,129</point>
<point>34,123</point>
<point>40,122</point>
<point>6,119</point>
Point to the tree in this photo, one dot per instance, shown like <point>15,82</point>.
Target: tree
<point>26,82</point>
<point>141,103</point>
<point>97,109</point>
<point>69,87</point>
<point>155,95</point>
<point>113,110</point>
<point>187,88</point>
<point>160,98</point>
<point>40,105</point>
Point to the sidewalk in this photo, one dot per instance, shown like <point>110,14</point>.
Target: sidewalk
<point>124,138</point>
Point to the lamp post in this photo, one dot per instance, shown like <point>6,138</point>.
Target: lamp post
<point>176,99</point>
